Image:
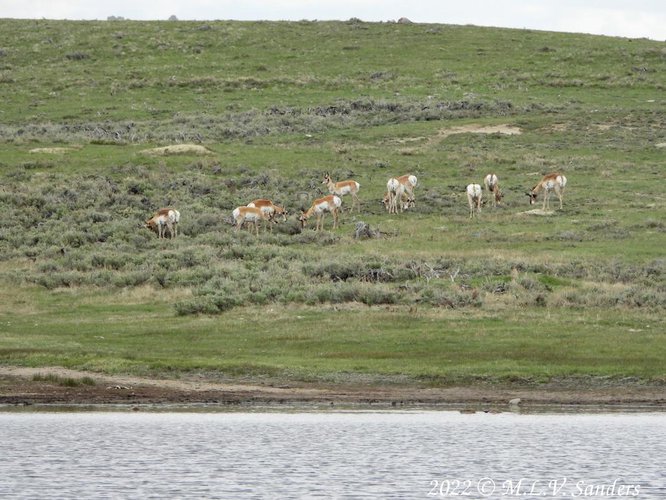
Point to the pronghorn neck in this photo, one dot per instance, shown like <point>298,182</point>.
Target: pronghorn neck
<point>308,213</point>
<point>329,182</point>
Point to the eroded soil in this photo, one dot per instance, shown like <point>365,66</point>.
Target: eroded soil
<point>53,385</point>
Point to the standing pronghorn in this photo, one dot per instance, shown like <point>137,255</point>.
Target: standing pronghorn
<point>395,190</point>
<point>163,220</point>
<point>271,209</point>
<point>550,182</point>
<point>249,214</point>
<point>330,203</point>
<point>409,181</point>
<point>342,188</point>
<point>474,199</point>
<point>492,185</point>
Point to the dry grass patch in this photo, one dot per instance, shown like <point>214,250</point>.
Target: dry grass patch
<point>54,151</point>
<point>178,149</point>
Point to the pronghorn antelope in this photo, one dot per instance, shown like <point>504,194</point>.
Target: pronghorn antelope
<point>395,190</point>
<point>492,185</point>
<point>405,201</point>
<point>330,203</point>
<point>409,181</point>
<point>163,220</point>
<point>249,214</point>
<point>550,182</point>
<point>342,188</point>
<point>474,199</point>
<point>272,210</point>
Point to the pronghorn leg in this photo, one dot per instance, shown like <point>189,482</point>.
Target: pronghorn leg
<point>335,218</point>
<point>558,191</point>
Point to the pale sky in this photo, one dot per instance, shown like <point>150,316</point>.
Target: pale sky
<point>624,18</point>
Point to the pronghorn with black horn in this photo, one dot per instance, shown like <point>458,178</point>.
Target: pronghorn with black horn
<point>342,188</point>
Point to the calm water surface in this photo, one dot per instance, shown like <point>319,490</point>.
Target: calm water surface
<point>332,455</point>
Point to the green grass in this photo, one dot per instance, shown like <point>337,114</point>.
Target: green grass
<point>305,343</point>
<point>439,299</point>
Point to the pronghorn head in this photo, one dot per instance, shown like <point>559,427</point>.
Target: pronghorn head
<point>386,201</point>
<point>303,218</point>
<point>533,197</point>
<point>280,212</point>
<point>150,224</point>
<point>498,195</point>
<point>327,178</point>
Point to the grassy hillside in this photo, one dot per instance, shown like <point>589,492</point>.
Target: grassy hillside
<point>438,298</point>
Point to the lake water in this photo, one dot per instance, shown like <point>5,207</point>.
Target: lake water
<point>355,454</point>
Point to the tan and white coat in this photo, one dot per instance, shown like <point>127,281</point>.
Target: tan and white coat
<point>253,215</point>
<point>343,188</point>
<point>491,182</point>
<point>551,182</point>
<point>320,207</point>
<point>474,196</point>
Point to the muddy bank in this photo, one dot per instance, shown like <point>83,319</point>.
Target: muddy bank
<point>33,386</point>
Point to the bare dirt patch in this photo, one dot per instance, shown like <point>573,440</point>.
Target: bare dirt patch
<point>178,149</point>
<point>503,129</point>
<point>480,129</point>
<point>540,212</point>
<point>20,386</point>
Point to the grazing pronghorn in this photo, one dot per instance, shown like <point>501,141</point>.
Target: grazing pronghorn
<point>405,201</point>
<point>271,209</point>
<point>330,203</point>
<point>550,182</point>
<point>249,214</point>
<point>474,199</point>
<point>492,185</point>
<point>342,188</point>
<point>409,181</point>
<point>163,220</point>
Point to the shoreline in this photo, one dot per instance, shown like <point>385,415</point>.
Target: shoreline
<point>54,386</point>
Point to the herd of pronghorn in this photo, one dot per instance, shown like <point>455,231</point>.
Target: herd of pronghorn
<point>399,195</point>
